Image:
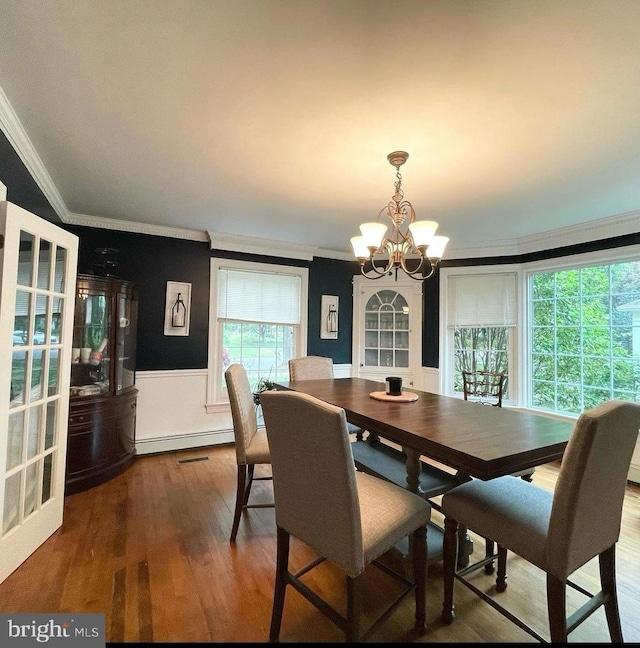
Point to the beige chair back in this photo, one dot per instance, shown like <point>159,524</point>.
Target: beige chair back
<point>310,368</point>
<point>594,470</point>
<point>243,409</point>
<point>314,476</point>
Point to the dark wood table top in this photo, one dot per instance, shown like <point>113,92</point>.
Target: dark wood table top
<point>478,440</point>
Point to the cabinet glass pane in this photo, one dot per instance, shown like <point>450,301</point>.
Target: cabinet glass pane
<point>386,339</point>
<point>402,359</point>
<point>125,327</point>
<point>386,358</point>
<point>402,340</point>
<point>370,358</point>
<point>402,321</point>
<point>371,339</point>
<point>386,320</point>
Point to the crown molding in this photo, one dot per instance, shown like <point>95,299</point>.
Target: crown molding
<point>19,140</point>
<point>137,228</point>
<point>267,247</point>
<point>603,228</point>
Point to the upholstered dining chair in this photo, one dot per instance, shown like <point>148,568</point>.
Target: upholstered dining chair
<point>347,517</point>
<point>252,446</point>
<point>317,368</point>
<point>558,531</point>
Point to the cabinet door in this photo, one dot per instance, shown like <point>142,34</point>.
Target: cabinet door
<point>126,327</point>
<point>38,278</point>
<point>91,366</point>
<point>387,329</point>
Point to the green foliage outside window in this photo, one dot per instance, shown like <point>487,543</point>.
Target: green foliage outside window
<point>582,341</point>
<point>263,349</point>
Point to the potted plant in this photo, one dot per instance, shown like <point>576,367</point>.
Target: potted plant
<point>264,384</point>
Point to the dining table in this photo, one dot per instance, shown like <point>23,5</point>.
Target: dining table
<point>474,440</point>
<point>481,441</point>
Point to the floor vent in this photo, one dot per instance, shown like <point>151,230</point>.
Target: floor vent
<point>181,461</point>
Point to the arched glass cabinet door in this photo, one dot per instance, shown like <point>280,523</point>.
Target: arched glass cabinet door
<point>386,330</point>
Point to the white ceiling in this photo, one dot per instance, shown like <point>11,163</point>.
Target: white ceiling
<point>274,118</point>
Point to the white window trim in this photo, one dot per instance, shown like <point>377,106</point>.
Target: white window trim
<point>215,402</point>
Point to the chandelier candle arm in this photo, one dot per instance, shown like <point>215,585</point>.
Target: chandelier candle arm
<point>418,239</point>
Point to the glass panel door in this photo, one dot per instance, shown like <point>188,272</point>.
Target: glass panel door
<point>36,304</point>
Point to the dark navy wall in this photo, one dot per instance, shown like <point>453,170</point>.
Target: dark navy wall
<point>150,261</point>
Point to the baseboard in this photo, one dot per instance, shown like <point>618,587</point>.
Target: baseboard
<point>183,442</point>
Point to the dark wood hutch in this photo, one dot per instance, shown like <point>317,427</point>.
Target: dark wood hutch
<point>102,404</point>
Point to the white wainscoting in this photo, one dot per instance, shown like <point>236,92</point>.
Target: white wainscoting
<point>171,412</point>
<point>430,380</point>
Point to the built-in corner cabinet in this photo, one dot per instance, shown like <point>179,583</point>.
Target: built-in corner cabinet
<point>387,329</point>
<point>102,404</point>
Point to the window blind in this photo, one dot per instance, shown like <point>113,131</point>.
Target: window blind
<point>266,297</point>
<point>481,300</point>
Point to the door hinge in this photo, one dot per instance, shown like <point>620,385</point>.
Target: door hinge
<point>1,241</point>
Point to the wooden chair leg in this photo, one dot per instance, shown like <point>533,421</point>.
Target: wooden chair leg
<point>607,560</point>
<point>282,568</point>
<point>449,561</point>
<point>240,489</point>
<point>489,550</point>
<point>420,577</point>
<point>501,577</point>
<point>557,608</point>
<point>354,607</point>
<point>247,488</point>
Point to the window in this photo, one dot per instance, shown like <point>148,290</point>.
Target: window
<point>481,316</point>
<point>258,319</point>
<point>584,336</point>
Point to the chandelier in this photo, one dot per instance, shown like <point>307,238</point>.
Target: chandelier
<point>413,251</point>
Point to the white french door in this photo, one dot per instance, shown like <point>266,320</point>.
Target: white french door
<point>387,329</point>
<point>37,290</point>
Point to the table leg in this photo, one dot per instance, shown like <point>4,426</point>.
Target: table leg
<point>413,470</point>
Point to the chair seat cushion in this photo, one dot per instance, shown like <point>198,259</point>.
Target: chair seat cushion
<point>512,512</point>
<point>388,514</point>
<point>257,450</point>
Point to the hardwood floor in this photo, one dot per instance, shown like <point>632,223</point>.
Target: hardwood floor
<point>150,549</point>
